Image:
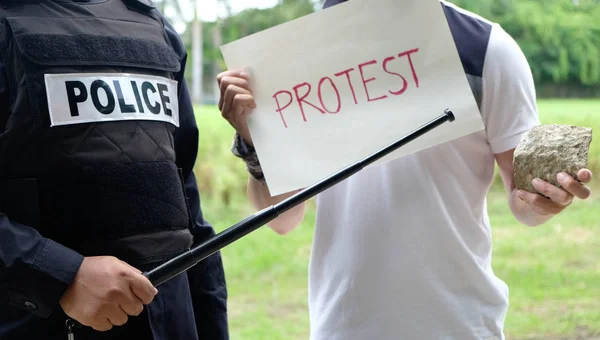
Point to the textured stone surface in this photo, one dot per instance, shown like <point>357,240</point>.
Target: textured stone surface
<point>547,150</point>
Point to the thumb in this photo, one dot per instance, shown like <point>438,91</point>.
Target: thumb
<point>584,175</point>
<point>143,288</point>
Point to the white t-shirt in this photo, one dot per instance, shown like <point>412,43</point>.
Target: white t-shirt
<point>402,250</point>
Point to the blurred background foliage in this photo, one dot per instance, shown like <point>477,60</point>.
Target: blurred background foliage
<point>560,38</point>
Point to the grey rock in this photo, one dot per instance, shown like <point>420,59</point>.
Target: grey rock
<point>546,150</point>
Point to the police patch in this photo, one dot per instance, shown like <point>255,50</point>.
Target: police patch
<point>76,98</point>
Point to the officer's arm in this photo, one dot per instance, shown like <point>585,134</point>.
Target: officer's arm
<point>34,271</point>
<point>207,279</point>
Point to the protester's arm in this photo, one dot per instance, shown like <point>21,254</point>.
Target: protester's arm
<point>509,110</point>
<point>261,198</point>
<point>235,104</point>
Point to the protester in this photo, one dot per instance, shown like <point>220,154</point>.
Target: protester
<point>403,250</point>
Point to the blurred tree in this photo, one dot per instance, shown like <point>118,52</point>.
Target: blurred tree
<point>197,55</point>
<point>250,21</point>
<point>560,38</point>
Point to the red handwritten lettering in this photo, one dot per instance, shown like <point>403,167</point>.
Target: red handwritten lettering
<point>347,73</point>
<point>360,67</point>
<point>412,67</point>
<point>405,86</point>
<point>302,91</point>
<point>303,99</point>
<point>337,93</point>
<point>279,108</point>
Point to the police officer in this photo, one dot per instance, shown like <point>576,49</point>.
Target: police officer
<point>97,146</point>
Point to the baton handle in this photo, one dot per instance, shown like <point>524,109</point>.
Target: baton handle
<point>191,257</point>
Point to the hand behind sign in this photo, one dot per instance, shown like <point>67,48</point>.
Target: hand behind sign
<point>236,101</point>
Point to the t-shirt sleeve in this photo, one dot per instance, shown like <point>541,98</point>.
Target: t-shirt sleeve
<point>509,99</point>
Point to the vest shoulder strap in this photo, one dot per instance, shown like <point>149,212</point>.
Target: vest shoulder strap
<point>141,5</point>
<point>11,3</point>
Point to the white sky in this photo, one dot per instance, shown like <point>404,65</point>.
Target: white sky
<point>209,8</point>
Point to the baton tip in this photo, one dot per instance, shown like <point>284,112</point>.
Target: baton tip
<point>450,115</point>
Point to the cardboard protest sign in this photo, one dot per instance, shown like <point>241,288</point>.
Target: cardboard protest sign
<point>337,85</point>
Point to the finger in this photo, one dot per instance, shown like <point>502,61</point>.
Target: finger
<point>540,204</point>
<point>132,305</point>
<point>102,325</point>
<point>222,80</point>
<point>133,309</point>
<point>221,87</point>
<point>555,193</point>
<point>230,73</point>
<point>584,175</point>
<point>241,104</point>
<point>118,317</point>
<point>237,81</point>
<point>573,186</point>
<point>228,104</point>
<point>229,82</point>
<point>230,94</point>
<point>143,289</point>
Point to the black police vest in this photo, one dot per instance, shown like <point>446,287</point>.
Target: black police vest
<point>87,153</point>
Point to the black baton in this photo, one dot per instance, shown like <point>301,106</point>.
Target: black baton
<point>190,258</point>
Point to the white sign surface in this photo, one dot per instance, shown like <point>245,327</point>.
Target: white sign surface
<point>75,98</point>
<point>337,85</point>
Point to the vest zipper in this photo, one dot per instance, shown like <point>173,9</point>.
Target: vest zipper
<point>70,325</point>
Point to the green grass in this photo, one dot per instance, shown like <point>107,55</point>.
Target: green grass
<point>553,271</point>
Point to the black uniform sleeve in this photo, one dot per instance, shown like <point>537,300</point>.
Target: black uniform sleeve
<point>34,271</point>
<point>207,278</point>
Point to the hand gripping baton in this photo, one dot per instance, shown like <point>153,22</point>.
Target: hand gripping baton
<point>190,258</point>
